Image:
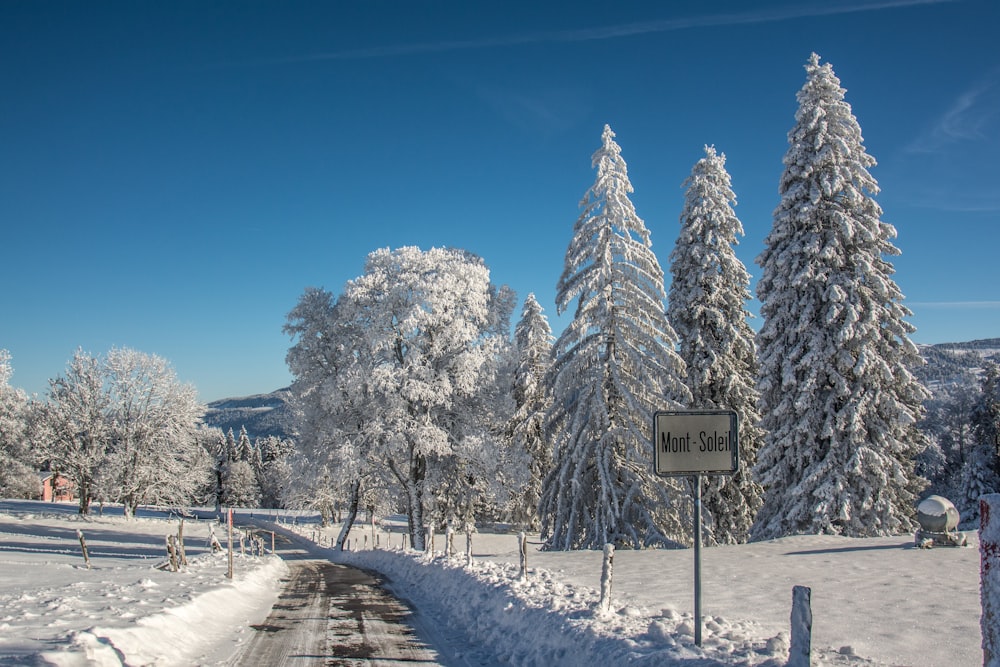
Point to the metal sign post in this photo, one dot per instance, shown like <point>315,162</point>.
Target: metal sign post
<point>697,560</point>
<point>698,442</point>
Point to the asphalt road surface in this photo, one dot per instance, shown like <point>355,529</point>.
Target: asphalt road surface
<point>330,614</point>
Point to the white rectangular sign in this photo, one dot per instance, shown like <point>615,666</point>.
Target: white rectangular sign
<point>693,442</point>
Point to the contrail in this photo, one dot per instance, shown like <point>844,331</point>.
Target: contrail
<point>954,304</point>
<point>604,33</point>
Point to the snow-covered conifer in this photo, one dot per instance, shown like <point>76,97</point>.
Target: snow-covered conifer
<point>709,290</point>
<point>533,348</point>
<point>236,471</point>
<point>273,470</point>
<point>986,414</point>
<point>981,472</point>
<point>240,484</point>
<point>948,424</point>
<point>613,366</point>
<point>839,403</point>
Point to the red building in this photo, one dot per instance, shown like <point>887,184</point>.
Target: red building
<point>56,488</point>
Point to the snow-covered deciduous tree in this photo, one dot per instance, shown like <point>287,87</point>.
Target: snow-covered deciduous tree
<point>17,475</point>
<point>528,438</point>
<point>613,366</point>
<point>125,428</point>
<point>411,350</point>
<point>839,402</point>
<point>153,417</point>
<point>332,396</point>
<point>708,294</point>
<point>76,430</point>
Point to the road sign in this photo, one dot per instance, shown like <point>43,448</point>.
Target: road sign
<point>696,442</point>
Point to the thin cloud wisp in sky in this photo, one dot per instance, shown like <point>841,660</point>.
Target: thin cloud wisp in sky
<point>609,32</point>
<point>969,118</point>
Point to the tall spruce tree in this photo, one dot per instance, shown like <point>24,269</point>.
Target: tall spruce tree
<point>708,295</point>
<point>839,403</point>
<point>533,348</point>
<point>614,365</point>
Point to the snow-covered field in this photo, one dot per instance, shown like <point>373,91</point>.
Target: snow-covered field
<point>875,601</point>
<point>124,609</point>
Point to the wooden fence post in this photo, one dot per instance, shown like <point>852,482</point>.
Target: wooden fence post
<point>229,571</point>
<point>83,547</point>
<point>606,575</point>
<point>801,642</point>
<point>522,547</point>
<point>180,543</point>
<point>172,552</point>
<point>989,576</point>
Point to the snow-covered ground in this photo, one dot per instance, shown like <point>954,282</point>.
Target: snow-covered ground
<point>124,609</point>
<point>876,601</point>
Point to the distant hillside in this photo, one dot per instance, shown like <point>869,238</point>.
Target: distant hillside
<point>270,414</point>
<point>262,414</point>
<point>956,363</point>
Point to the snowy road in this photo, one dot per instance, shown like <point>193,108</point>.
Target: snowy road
<point>329,614</point>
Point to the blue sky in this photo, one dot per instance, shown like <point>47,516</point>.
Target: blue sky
<point>173,175</point>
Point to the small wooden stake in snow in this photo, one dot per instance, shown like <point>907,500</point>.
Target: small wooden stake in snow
<point>213,541</point>
<point>180,544</point>
<point>83,547</point>
<point>989,575</point>
<point>522,546</point>
<point>172,552</point>
<point>229,572</point>
<point>801,643</point>
<point>606,573</point>
<point>468,547</point>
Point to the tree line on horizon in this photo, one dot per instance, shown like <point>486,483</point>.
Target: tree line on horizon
<point>411,395</point>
